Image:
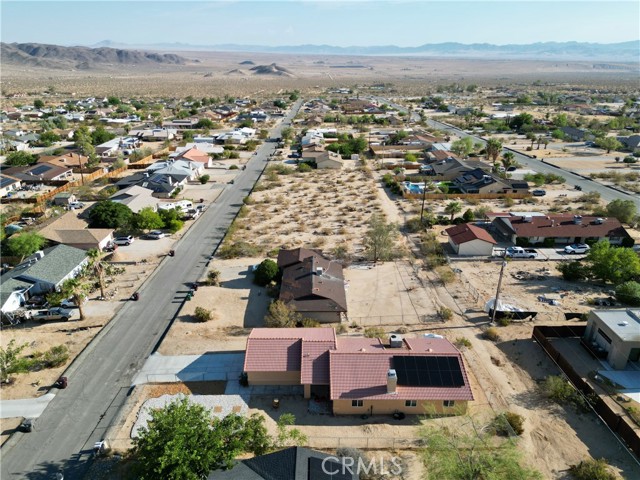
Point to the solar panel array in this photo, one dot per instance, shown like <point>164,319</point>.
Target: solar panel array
<point>4,181</point>
<point>415,371</point>
<point>40,169</point>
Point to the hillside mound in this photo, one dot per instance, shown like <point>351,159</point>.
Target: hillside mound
<point>84,58</point>
<point>246,62</point>
<point>236,71</point>
<point>272,69</point>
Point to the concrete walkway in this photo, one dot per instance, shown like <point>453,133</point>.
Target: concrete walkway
<point>27,408</point>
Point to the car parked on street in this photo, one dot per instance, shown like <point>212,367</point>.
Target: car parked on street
<point>577,248</point>
<point>519,252</point>
<point>155,235</point>
<point>128,240</point>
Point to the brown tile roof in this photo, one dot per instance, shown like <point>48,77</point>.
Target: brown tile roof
<point>466,232</point>
<point>358,375</point>
<point>348,344</point>
<point>308,291</point>
<point>195,155</point>
<point>281,350</point>
<point>553,226</point>
<point>66,160</point>
<point>442,154</point>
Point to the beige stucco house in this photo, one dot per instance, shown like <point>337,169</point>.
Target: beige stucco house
<point>469,240</point>
<point>361,375</point>
<point>615,333</point>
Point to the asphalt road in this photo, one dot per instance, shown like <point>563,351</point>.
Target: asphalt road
<point>100,378</point>
<point>608,194</point>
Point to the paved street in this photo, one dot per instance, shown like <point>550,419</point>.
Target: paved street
<point>100,379</point>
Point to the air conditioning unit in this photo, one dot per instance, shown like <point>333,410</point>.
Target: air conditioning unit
<point>395,341</point>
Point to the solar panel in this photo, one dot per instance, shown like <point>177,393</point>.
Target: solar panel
<point>40,169</point>
<point>4,181</point>
<point>429,371</point>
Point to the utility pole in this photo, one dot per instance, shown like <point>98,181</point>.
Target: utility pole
<point>495,302</point>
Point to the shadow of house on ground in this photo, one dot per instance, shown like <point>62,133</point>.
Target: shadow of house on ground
<point>257,301</point>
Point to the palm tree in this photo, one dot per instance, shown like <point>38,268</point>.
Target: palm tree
<point>77,290</point>
<point>508,160</point>
<point>493,148</point>
<point>452,208</point>
<point>97,267</point>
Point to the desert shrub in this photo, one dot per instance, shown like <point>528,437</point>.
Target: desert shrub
<point>341,328</point>
<point>213,277</point>
<point>233,167</point>
<point>561,391</point>
<point>508,202</point>
<point>310,323</point>
<point>248,200</point>
<point>573,271</point>
<point>238,249</point>
<point>304,167</point>
<point>266,272</point>
<point>592,469</point>
<point>507,423</point>
<point>280,315</point>
<point>492,334</point>
<point>374,332</point>
<point>340,252</point>
<point>462,342</point>
<point>445,313</point>
<point>629,293</point>
<point>202,314</point>
<point>504,320</point>
<point>445,274</point>
<point>55,356</point>
<point>204,179</point>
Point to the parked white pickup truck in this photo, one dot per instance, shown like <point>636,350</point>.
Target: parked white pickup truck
<point>519,252</point>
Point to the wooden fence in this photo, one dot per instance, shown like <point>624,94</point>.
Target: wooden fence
<point>610,412</point>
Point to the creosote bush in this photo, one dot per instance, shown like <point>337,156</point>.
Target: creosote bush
<point>203,315</point>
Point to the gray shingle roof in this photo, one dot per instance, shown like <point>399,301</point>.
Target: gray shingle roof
<point>57,263</point>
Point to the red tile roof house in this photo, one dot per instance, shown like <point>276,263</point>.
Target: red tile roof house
<point>362,375</point>
<point>312,284</point>
<point>562,229</point>
<point>468,239</point>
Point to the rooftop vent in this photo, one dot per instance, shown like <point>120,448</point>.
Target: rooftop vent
<point>392,381</point>
<point>395,341</point>
<point>624,323</point>
<point>527,219</point>
<point>319,270</point>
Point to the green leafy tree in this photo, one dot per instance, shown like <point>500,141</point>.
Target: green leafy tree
<point>9,359</point>
<point>38,103</point>
<point>379,240</point>
<point>453,208</point>
<point>100,136</point>
<point>623,210</point>
<point>520,121</point>
<point>205,123</point>
<point>20,159</point>
<point>113,100</point>
<point>629,293</point>
<point>493,149</point>
<point>266,272</point>
<point>148,219</point>
<point>171,219</point>
<point>182,442</point>
<point>287,133</point>
<point>109,214</point>
<point>48,138</point>
<point>288,436</point>
<point>608,143</point>
<point>24,244</point>
<point>468,215</point>
<point>561,120</point>
<point>612,264</point>
<point>463,147</point>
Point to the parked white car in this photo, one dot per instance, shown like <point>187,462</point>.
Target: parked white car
<point>577,248</point>
<point>128,240</point>
<point>155,235</point>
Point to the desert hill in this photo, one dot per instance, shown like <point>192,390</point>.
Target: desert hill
<point>272,69</point>
<point>84,58</point>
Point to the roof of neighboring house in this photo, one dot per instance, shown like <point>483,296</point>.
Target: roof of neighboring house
<point>8,285</point>
<point>6,180</point>
<point>293,463</point>
<point>57,263</point>
<point>44,171</point>
<point>625,324</point>
<point>135,197</point>
<point>466,232</point>
<point>194,155</point>
<point>66,160</point>
<point>632,141</point>
<point>310,291</point>
<point>552,226</point>
<point>363,375</point>
<point>296,255</point>
<point>281,350</point>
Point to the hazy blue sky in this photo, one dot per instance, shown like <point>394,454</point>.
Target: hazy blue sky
<point>341,23</point>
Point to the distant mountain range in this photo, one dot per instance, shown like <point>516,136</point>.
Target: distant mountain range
<point>623,52</point>
<point>80,58</point>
